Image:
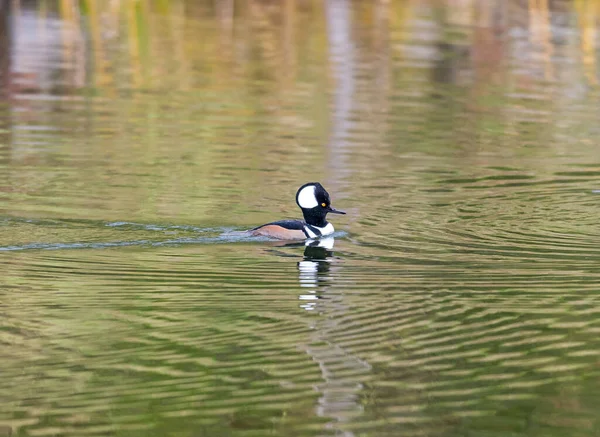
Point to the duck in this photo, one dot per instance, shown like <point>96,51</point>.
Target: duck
<point>314,201</point>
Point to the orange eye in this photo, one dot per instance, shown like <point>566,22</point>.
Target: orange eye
<point>323,204</point>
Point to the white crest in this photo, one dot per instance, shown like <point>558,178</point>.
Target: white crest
<point>307,198</point>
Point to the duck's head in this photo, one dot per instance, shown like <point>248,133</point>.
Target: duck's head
<point>315,204</point>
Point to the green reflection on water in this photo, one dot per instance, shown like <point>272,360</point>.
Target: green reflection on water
<point>460,297</point>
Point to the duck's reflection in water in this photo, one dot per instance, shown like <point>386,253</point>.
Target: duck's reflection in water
<point>315,265</point>
<point>342,371</point>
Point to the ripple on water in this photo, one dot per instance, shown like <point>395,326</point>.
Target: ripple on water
<point>159,329</point>
<point>462,300</point>
<point>82,234</point>
<point>536,221</point>
<point>425,326</point>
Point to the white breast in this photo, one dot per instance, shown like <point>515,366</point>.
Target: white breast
<point>326,230</point>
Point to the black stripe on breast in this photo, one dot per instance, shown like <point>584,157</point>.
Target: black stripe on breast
<point>314,230</point>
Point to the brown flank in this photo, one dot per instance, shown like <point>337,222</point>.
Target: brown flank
<point>276,231</point>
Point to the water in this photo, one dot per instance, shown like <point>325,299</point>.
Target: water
<point>458,296</point>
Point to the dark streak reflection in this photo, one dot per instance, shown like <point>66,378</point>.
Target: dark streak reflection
<point>339,394</point>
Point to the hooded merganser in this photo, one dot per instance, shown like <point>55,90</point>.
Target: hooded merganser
<point>314,202</point>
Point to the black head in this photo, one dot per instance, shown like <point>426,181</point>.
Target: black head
<point>314,201</point>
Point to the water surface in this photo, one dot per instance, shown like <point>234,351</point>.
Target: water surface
<point>459,298</point>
